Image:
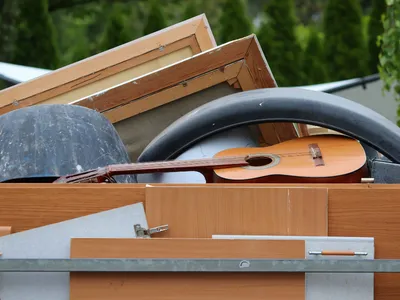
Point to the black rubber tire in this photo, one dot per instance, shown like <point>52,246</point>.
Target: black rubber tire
<point>295,105</point>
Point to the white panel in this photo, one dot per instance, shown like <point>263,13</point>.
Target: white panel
<point>53,241</point>
<point>330,286</point>
<point>234,138</point>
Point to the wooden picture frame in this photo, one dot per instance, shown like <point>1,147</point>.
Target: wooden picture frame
<point>240,63</point>
<point>112,67</point>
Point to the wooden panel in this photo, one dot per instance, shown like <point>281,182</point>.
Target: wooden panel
<point>29,206</point>
<point>185,248</point>
<point>107,63</point>
<point>118,286</point>
<point>200,212</point>
<point>370,213</point>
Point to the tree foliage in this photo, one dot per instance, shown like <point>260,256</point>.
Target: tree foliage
<point>191,9</point>
<point>35,37</point>
<point>389,58</point>
<point>234,22</point>
<point>313,63</point>
<point>279,42</point>
<point>155,19</point>
<point>87,27</point>
<point>8,28</point>
<point>375,29</point>
<point>115,33</point>
<point>346,53</point>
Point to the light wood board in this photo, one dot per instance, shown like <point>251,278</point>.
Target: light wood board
<point>200,212</point>
<point>119,286</point>
<point>27,206</point>
<point>370,213</point>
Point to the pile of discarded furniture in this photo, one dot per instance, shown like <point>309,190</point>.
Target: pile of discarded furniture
<point>175,168</point>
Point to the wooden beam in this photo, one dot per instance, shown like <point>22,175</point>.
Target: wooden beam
<point>194,33</point>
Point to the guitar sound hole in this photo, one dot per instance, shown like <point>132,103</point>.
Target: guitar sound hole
<point>258,161</point>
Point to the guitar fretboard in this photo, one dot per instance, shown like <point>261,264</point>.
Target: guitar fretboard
<point>178,165</point>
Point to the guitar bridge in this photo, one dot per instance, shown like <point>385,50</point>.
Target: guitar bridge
<point>316,155</point>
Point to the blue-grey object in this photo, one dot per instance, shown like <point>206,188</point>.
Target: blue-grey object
<point>40,143</point>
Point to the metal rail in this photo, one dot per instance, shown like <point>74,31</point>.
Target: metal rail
<point>201,265</point>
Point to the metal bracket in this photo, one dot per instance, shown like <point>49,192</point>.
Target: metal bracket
<point>146,233</point>
<point>201,265</point>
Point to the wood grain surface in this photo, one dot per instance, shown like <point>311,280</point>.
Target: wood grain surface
<point>200,212</point>
<point>370,213</point>
<point>121,286</point>
<point>27,206</point>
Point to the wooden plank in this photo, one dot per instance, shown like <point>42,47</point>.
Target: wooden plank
<point>120,286</point>
<point>168,76</point>
<point>365,213</point>
<point>185,248</point>
<point>178,91</point>
<point>108,62</point>
<point>26,207</point>
<point>200,212</point>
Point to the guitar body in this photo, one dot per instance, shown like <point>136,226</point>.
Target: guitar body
<point>311,159</point>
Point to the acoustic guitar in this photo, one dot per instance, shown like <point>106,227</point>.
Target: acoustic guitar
<point>312,159</point>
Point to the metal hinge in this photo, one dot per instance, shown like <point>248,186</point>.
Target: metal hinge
<point>146,233</point>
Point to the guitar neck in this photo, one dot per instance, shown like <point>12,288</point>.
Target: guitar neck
<point>177,166</point>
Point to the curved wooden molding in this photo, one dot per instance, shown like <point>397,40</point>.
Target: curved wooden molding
<point>98,72</point>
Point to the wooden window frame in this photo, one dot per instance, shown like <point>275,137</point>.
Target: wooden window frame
<point>194,33</point>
